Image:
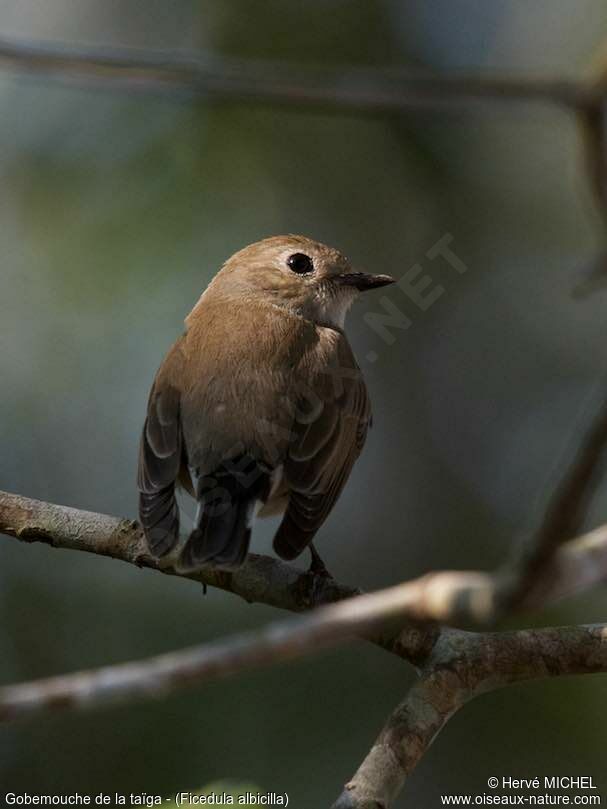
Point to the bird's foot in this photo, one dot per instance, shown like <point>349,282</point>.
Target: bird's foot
<point>314,585</point>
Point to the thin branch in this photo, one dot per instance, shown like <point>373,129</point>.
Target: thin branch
<point>443,597</point>
<point>591,120</point>
<point>364,89</point>
<point>262,580</point>
<point>453,597</point>
<point>562,519</point>
<point>156,676</point>
<point>287,640</point>
<point>462,666</point>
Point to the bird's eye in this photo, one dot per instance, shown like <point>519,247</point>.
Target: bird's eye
<point>300,263</point>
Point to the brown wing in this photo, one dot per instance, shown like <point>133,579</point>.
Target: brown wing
<point>327,442</point>
<point>160,458</point>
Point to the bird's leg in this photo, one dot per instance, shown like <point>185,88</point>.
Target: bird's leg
<point>317,566</point>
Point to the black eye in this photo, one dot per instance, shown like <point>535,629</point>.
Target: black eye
<point>300,263</point>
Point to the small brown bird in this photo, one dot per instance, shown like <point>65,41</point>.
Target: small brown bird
<point>259,408</point>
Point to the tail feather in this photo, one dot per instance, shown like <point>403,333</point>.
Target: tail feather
<point>226,501</point>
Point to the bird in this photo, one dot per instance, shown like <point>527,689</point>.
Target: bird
<point>258,409</point>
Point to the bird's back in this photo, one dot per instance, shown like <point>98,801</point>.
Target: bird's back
<point>245,365</point>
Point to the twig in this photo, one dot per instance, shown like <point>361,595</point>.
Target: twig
<point>324,627</point>
<point>346,88</point>
<point>156,676</point>
<point>563,517</point>
<point>462,666</point>
<point>591,120</point>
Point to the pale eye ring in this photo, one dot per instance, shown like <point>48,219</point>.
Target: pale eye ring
<point>300,263</point>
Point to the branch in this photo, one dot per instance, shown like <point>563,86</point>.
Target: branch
<point>404,739</point>
<point>156,676</point>
<point>443,597</point>
<point>455,665</point>
<point>262,580</point>
<point>462,666</point>
<point>346,88</point>
<point>562,519</point>
<point>324,627</point>
<point>591,120</point>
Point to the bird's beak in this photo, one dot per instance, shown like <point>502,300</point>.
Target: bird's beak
<point>362,281</point>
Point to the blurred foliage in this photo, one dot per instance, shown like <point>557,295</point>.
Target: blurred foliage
<point>116,210</point>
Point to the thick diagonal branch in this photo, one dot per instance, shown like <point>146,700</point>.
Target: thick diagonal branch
<point>405,738</point>
<point>462,666</point>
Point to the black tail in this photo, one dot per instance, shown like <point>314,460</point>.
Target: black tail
<point>226,500</point>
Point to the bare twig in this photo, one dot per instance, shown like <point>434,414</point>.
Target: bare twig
<point>349,88</point>
<point>563,518</point>
<point>591,119</point>
<point>462,666</point>
<point>323,627</point>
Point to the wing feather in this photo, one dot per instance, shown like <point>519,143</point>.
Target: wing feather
<point>323,453</point>
<point>160,461</point>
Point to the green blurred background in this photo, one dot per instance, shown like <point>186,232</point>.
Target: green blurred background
<point>115,211</point>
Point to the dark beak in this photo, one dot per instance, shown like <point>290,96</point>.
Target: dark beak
<point>362,281</point>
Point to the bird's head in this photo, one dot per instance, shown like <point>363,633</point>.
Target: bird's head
<point>298,274</point>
